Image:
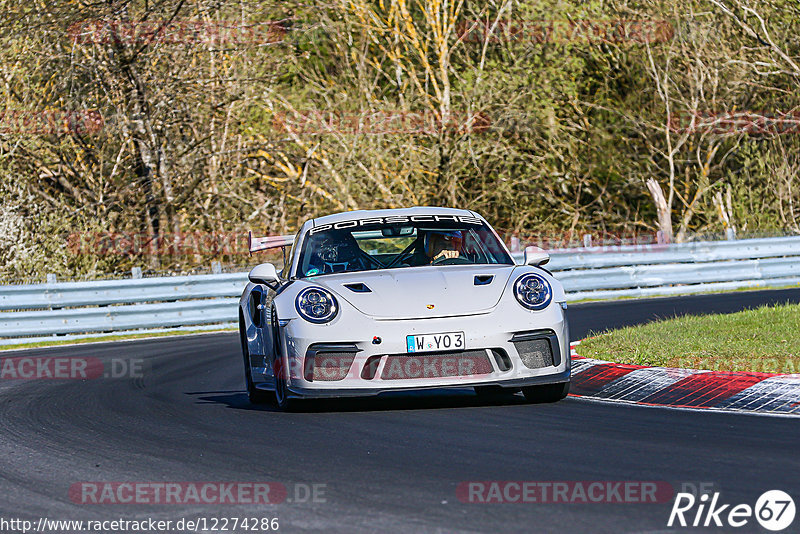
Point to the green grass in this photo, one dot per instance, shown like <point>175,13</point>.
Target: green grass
<point>765,339</point>
<point>103,339</point>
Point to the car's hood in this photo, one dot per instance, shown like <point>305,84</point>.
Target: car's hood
<point>422,292</point>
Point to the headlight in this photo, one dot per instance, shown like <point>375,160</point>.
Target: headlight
<point>316,305</point>
<point>533,291</point>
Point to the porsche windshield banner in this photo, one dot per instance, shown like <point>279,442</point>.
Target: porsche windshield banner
<point>396,219</point>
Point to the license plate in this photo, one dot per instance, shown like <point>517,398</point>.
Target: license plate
<point>434,342</point>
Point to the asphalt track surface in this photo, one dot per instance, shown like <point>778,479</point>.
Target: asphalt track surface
<point>389,464</point>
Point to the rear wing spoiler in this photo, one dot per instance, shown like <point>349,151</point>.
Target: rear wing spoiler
<point>257,244</point>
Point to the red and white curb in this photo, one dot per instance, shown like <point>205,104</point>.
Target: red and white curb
<point>685,388</point>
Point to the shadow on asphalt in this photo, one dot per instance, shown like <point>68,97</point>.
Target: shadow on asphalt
<point>391,401</point>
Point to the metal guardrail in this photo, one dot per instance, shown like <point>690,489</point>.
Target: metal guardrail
<point>73,309</point>
<point>678,269</point>
<point>700,252</point>
<point>119,318</point>
<point>170,288</point>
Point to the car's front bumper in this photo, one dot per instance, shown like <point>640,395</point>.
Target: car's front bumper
<point>298,391</point>
<point>378,367</point>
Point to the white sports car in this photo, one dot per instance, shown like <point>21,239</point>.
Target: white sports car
<point>376,301</point>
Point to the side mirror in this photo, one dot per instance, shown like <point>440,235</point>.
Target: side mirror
<point>536,256</point>
<point>264,274</point>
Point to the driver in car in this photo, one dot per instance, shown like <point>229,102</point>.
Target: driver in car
<point>336,255</point>
<point>443,245</point>
<point>438,246</point>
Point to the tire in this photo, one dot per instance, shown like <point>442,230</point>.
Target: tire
<point>255,395</point>
<point>546,393</point>
<point>285,403</point>
<point>282,398</point>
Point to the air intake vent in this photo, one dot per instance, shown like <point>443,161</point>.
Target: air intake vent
<point>535,353</point>
<point>328,366</point>
<point>537,349</point>
<point>483,279</point>
<point>358,287</point>
<point>329,361</point>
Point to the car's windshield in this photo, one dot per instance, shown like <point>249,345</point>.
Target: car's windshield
<point>396,242</point>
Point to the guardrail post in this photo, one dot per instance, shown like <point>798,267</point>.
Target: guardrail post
<point>136,272</point>
<point>587,241</point>
<point>216,267</point>
<point>51,278</point>
<point>730,233</point>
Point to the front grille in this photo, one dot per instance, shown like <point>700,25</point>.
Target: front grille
<point>408,366</point>
<point>535,353</point>
<point>328,366</point>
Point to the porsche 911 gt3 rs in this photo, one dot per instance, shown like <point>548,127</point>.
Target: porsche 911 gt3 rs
<point>376,301</point>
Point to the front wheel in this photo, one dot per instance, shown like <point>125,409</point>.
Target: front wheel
<point>280,371</point>
<point>285,403</point>
<point>546,393</point>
